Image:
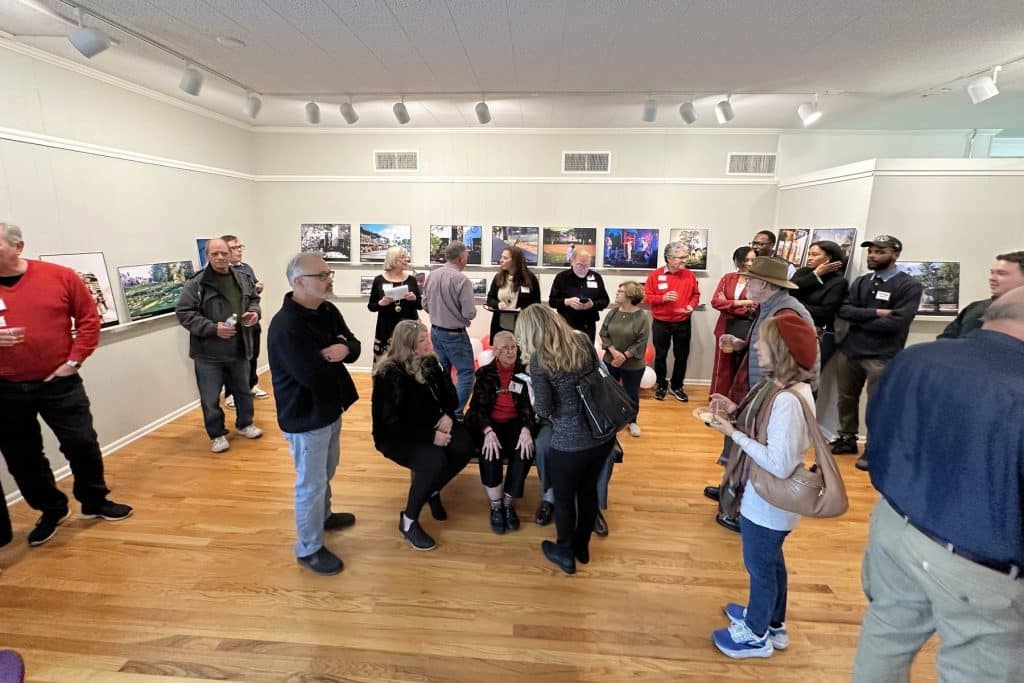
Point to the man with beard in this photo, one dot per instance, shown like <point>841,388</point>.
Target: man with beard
<point>1007,273</point>
<point>879,308</point>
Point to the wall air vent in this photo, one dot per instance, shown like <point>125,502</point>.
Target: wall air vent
<point>396,161</point>
<point>586,162</point>
<point>751,164</point>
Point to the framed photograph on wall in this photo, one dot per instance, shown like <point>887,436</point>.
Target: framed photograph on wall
<point>470,235</point>
<point>941,280</point>
<point>376,238</point>
<point>526,238</point>
<point>201,248</point>
<point>631,248</point>
<point>479,287</point>
<point>92,269</point>
<point>560,244</point>
<point>791,244</point>
<point>153,288</point>
<point>366,283</point>
<point>333,240</point>
<point>846,238</point>
<point>697,241</point>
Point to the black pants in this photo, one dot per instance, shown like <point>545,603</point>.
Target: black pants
<point>6,531</point>
<point>574,475</point>
<point>254,379</point>
<point>64,406</point>
<point>432,466</point>
<point>677,335</point>
<point>589,329</point>
<point>518,467</point>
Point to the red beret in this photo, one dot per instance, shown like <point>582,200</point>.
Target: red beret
<point>799,337</point>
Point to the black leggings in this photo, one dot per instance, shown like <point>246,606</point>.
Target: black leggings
<point>432,466</point>
<point>518,467</point>
<point>574,475</point>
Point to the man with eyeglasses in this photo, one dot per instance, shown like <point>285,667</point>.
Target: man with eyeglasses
<point>219,306</point>
<point>672,293</point>
<point>763,244</point>
<point>236,248</point>
<point>307,342</point>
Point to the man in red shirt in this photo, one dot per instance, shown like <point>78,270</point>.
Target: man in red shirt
<point>39,362</point>
<point>672,293</point>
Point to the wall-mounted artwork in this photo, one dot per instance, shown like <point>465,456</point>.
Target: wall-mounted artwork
<point>332,240</point>
<point>92,268</point>
<point>153,288</point>
<point>526,238</point>
<point>560,244</point>
<point>201,247</point>
<point>376,238</point>
<point>366,283</point>
<point>470,235</point>
<point>696,239</point>
<point>941,280</point>
<point>630,247</point>
<point>791,244</point>
<point>846,238</point>
<point>479,287</point>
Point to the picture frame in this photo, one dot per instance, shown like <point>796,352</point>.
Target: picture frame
<point>201,243</point>
<point>846,238</point>
<point>526,238</point>
<point>479,287</point>
<point>366,284</point>
<point>376,238</point>
<point>91,267</point>
<point>696,240</point>
<point>470,235</point>
<point>559,245</point>
<point>631,248</point>
<point>941,280</point>
<point>153,289</point>
<point>791,245</point>
<point>333,241</point>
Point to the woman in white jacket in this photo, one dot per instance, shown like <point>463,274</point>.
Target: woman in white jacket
<point>788,346</point>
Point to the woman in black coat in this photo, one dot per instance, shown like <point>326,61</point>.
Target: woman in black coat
<point>389,311</point>
<point>512,289</point>
<point>822,288</point>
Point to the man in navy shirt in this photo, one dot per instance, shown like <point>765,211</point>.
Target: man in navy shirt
<point>946,548</point>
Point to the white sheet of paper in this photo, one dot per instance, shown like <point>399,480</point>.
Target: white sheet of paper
<point>397,292</point>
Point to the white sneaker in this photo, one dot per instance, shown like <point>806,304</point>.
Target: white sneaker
<point>634,429</point>
<point>251,432</point>
<point>230,402</point>
<point>220,444</point>
<point>258,393</point>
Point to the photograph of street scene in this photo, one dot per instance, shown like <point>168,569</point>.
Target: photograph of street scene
<point>470,235</point>
<point>153,288</point>
<point>376,238</point>
<point>332,240</point>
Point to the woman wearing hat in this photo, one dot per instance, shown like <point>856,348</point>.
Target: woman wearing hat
<point>787,348</point>
<point>822,289</point>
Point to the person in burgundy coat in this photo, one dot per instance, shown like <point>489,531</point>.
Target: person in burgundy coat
<point>735,311</point>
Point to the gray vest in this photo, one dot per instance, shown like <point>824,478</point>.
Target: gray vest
<point>779,301</point>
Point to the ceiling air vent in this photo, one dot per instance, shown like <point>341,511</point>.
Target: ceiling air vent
<point>586,162</point>
<point>396,161</point>
<point>751,164</point>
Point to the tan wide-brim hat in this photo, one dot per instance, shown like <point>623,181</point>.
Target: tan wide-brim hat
<point>772,270</point>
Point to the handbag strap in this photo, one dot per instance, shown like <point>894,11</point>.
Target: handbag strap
<point>822,452</point>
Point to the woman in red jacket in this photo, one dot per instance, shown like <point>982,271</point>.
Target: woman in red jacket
<point>736,314</point>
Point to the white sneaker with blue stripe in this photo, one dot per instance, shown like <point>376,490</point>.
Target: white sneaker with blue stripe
<point>738,613</point>
<point>739,642</point>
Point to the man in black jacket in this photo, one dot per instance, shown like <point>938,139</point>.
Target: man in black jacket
<point>307,343</point>
<point>1006,274</point>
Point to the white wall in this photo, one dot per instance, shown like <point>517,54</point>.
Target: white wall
<point>810,150</point>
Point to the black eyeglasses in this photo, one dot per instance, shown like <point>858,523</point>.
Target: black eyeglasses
<point>760,244</point>
<point>237,247</point>
<point>322,277</point>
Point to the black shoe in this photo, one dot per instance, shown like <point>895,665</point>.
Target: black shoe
<point>559,557</point>
<point>417,537</point>
<point>861,464</point>
<point>544,512</point>
<point>582,555</point>
<point>339,520</point>
<point>659,393</point>
<point>845,445</point>
<point>511,518</point>
<point>730,524</point>
<point>108,510</point>
<point>437,510</point>
<point>711,492</point>
<point>679,394</point>
<point>322,562</point>
<point>46,527</point>
<point>600,525</point>
<point>497,520</point>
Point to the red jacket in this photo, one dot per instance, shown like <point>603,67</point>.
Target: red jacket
<point>683,283</point>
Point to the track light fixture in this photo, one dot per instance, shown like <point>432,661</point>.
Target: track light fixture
<point>723,111</point>
<point>809,112</point>
<point>983,88</point>
<point>401,113</point>
<point>191,80</point>
<point>650,113</point>
<point>688,112</point>
<point>348,112</point>
<point>483,112</point>
<point>253,104</point>
<point>89,40</point>
<point>312,113</point>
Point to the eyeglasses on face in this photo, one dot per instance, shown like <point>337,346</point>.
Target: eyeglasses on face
<point>505,349</point>
<point>321,276</point>
<point>760,244</point>
<point>237,247</point>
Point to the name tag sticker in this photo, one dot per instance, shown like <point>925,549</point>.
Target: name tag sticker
<point>3,306</point>
<point>3,321</point>
<point>515,387</point>
<point>591,284</point>
<point>524,290</point>
<point>662,285</point>
<point>882,296</point>
<point>663,277</point>
<point>591,277</point>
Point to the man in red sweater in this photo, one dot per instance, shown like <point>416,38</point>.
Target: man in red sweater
<point>672,293</point>
<point>39,362</point>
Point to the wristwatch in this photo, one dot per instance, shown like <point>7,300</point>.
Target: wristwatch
<point>73,363</point>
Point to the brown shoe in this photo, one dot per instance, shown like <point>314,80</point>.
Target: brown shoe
<point>544,513</point>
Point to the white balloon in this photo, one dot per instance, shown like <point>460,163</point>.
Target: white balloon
<point>486,356</point>
<point>478,346</point>
<point>649,379</point>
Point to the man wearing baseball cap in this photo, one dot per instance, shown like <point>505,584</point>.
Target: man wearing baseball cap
<point>879,308</point>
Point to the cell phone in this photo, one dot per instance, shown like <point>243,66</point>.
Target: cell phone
<point>584,300</point>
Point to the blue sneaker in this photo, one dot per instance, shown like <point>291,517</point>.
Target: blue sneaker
<point>739,642</point>
<point>738,613</point>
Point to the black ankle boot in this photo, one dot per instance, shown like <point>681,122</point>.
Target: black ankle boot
<point>558,556</point>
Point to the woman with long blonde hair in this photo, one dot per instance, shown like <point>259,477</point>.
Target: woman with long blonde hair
<point>558,358</point>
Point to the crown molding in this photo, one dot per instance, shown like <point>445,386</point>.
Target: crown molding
<point>481,130</point>
<point>515,180</point>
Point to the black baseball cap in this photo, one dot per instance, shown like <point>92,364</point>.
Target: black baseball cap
<point>883,241</point>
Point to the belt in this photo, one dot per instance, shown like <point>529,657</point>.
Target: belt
<point>1009,568</point>
<point>449,329</point>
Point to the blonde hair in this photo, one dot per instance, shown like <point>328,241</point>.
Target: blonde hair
<point>634,291</point>
<point>391,257</point>
<point>784,366</point>
<point>402,350</point>
<point>543,334</point>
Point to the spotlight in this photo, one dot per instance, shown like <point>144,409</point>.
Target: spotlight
<point>483,112</point>
<point>191,80</point>
<point>401,113</point>
<point>312,113</point>
<point>88,40</point>
<point>650,110</point>
<point>723,111</point>
<point>983,88</point>
<point>688,112</point>
<point>348,112</point>
<point>253,104</point>
<point>809,113</point>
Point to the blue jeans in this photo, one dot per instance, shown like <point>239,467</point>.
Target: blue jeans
<point>762,556</point>
<point>316,454</point>
<point>454,349</point>
<point>212,376</point>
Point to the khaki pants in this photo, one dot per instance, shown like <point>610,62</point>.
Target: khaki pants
<point>851,374</point>
<point>915,587</point>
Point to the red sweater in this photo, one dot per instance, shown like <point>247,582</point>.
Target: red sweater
<point>43,301</point>
<point>661,282</point>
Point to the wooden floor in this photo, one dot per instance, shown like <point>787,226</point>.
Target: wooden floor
<point>201,583</point>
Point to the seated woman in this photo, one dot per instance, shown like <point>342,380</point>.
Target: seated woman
<point>501,418</point>
<point>413,412</point>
